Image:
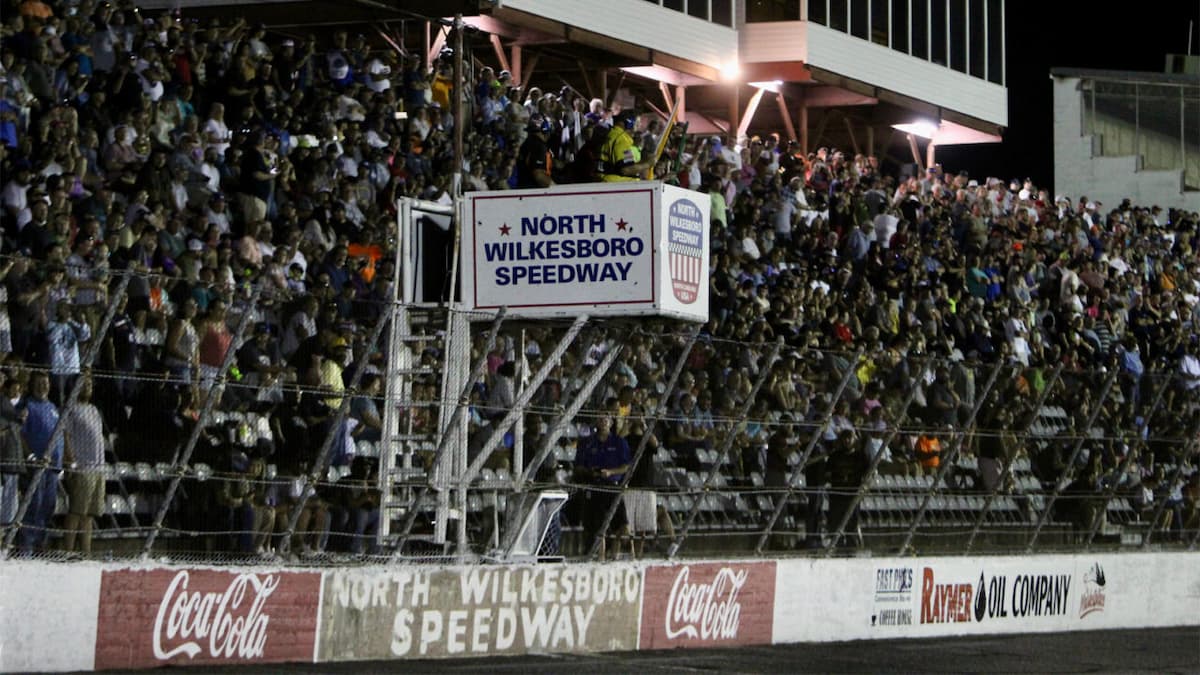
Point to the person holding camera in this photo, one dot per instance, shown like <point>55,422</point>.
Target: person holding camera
<point>601,461</point>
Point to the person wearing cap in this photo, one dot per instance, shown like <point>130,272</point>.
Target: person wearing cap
<point>535,163</point>
<point>620,156</point>
<point>332,367</point>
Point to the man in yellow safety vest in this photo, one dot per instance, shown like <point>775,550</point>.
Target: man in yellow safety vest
<point>620,156</point>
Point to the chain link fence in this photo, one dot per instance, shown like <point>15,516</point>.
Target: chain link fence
<point>727,447</point>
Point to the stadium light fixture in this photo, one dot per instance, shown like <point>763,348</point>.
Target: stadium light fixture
<point>772,86</point>
<point>922,128</point>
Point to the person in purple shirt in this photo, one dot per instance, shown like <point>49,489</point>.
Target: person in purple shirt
<point>602,460</point>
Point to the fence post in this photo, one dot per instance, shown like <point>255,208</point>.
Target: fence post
<point>594,551</point>
<point>577,403</point>
<point>1175,475</point>
<point>1008,463</point>
<point>808,450</point>
<point>1124,465</point>
<point>875,461</point>
<point>768,364</point>
<point>1068,470</point>
<point>325,456</point>
<point>178,467</point>
<point>944,463</point>
<point>89,357</point>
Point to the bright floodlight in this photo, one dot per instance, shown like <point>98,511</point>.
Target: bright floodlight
<point>730,70</point>
<point>922,128</point>
<point>770,85</point>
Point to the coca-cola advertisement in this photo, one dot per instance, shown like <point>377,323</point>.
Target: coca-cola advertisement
<point>708,605</point>
<point>183,616</point>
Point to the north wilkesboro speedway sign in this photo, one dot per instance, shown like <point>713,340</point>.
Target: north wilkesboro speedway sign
<point>90,616</point>
<point>598,249</point>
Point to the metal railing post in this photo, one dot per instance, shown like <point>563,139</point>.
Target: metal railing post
<point>325,456</point>
<point>947,461</point>
<point>767,367</point>
<point>1124,466</point>
<point>580,399</point>
<point>1175,476</point>
<point>1069,469</point>
<point>864,487</point>
<point>1006,470</point>
<point>808,450</point>
<point>658,414</point>
<point>178,467</point>
<point>56,436</point>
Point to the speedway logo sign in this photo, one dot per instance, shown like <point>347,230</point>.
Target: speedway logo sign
<point>611,249</point>
<point>383,614</point>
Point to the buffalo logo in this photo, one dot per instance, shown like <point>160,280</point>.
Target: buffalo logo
<point>685,242</point>
<point>1092,599</point>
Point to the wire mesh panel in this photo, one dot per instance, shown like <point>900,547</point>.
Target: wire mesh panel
<point>741,444</point>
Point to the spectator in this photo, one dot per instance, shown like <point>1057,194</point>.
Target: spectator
<point>84,433</point>
<point>41,417</point>
<point>601,461</point>
<point>12,447</point>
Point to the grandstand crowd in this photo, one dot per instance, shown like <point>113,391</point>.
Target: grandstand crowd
<point>240,178</point>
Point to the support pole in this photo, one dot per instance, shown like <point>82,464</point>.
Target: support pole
<point>581,398</point>
<point>56,436</point>
<point>179,466</point>
<point>1100,516</point>
<point>766,369</point>
<point>666,94</point>
<point>459,113</point>
<point>987,504</point>
<point>1162,503</point>
<point>947,460</point>
<point>916,151</point>
<point>325,456</point>
<point>850,131</point>
<point>786,115</point>
<point>808,450</point>
<point>748,115</point>
<point>527,71</point>
<point>865,487</point>
<point>1070,467</point>
<point>658,414</point>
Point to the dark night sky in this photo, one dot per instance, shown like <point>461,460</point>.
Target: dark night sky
<point>1061,34</point>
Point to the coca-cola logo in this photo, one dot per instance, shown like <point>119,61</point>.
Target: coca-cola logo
<point>229,623</point>
<point>705,611</point>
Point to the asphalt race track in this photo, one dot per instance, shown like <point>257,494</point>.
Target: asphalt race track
<point>1162,650</point>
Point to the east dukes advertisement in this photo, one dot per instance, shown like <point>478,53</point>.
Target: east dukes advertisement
<point>416,613</point>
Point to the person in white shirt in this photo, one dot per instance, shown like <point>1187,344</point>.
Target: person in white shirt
<point>216,133</point>
<point>377,76</point>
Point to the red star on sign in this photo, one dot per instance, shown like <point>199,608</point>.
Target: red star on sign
<point>621,224</point>
<point>505,229</point>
